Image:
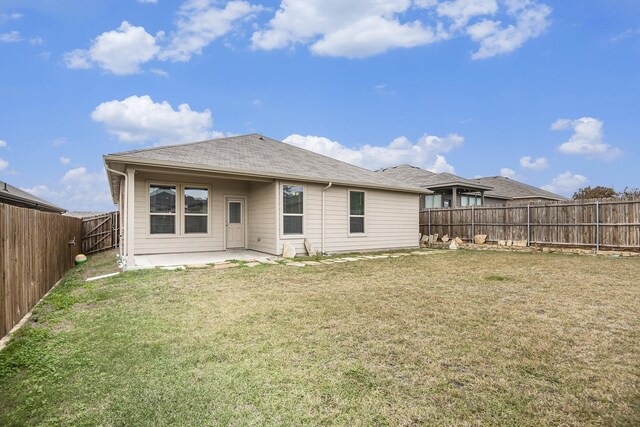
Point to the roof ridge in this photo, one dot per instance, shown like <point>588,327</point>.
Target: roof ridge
<point>160,147</point>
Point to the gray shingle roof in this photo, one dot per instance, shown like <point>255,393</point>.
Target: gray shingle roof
<point>261,156</point>
<point>426,179</point>
<point>15,196</point>
<point>508,188</point>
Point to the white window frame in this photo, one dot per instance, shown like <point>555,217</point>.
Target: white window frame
<point>174,214</point>
<point>364,217</point>
<point>283,214</point>
<point>184,214</point>
<point>179,230</point>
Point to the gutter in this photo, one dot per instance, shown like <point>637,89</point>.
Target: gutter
<point>322,228</point>
<point>124,229</point>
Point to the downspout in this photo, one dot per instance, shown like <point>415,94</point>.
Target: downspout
<point>322,231</point>
<point>123,228</point>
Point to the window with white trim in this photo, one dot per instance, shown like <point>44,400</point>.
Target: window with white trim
<point>292,209</point>
<point>196,210</point>
<point>162,209</point>
<point>356,212</point>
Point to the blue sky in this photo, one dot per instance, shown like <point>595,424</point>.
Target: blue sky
<point>547,92</point>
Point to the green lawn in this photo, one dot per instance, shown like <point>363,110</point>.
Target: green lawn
<point>458,338</point>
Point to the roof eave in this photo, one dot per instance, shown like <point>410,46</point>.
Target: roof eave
<point>33,204</point>
<point>203,168</point>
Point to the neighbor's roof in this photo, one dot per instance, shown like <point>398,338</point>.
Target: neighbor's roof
<point>508,188</point>
<point>423,178</point>
<point>258,156</point>
<point>15,196</point>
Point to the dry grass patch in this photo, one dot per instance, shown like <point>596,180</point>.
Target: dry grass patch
<point>458,338</point>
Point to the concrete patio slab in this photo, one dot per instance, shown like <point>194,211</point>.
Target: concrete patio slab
<point>196,258</point>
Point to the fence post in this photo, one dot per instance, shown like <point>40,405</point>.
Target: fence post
<point>597,226</point>
<point>529,225</point>
<point>429,222</point>
<point>473,222</point>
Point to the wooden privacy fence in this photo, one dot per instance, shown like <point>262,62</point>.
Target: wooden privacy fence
<point>100,233</point>
<point>36,249</point>
<point>596,224</point>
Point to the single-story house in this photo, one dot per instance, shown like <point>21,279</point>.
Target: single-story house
<point>11,195</point>
<point>253,192</point>
<point>449,191</point>
<point>509,191</point>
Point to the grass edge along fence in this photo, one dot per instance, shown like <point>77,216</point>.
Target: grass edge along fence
<point>607,224</point>
<point>36,250</point>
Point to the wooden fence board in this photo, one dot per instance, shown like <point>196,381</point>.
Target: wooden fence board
<point>34,254</point>
<point>569,224</point>
<point>100,232</point>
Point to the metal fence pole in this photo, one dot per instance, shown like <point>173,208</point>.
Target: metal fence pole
<point>597,225</point>
<point>529,225</point>
<point>429,222</point>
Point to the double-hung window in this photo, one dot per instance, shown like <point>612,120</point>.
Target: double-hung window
<point>356,212</point>
<point>196,210</point>
<point>162,209</point>
<point>292,209</point>
<point>432,201</point>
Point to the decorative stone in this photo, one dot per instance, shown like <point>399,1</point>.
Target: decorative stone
<point>425,239</point>
<point>295,264</point>
<point>458,241</point>
<point>520,243</point>
<point>480,239</point>
<point>502,243</point>
<point>453,246</point>
<point>509,243</point>
<point>288,251</point>
<point>433,239</point>
<point>309,247</point>
<point>225,265</point>
<point>445,238</point>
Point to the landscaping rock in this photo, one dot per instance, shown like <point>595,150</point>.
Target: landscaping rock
<point>458,241</point>
<point>502,243</point>
<point>288,251</point>
<point>480,239</point>
<point>433,239</point>
<point>453,246</point>
<point>309,248</point>
<point>425,239</point>
<point>295,264</point>
<point>520,243</point>
<point>225,265</point>
<point>445,238</point>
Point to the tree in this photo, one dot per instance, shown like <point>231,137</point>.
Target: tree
<point>630,194</point>
<point>598,192</point>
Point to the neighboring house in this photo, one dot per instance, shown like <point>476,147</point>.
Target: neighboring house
<point>14,196</point>
<point>449,191</point>
<point>509,191</point>
<point>253,192</point>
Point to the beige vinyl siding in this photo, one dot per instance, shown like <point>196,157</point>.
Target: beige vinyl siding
<point>214,240</point>
<point>391,220</point>
<point>261,216</point>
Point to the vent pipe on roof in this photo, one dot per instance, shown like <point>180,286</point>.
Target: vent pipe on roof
<point>5,187</point>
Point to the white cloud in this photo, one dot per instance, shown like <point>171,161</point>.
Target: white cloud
<point>538,164</point>
<point>59,141</point>
<point>36,41</point>
<point>78,190</point>
<point>426,152</point>
<point>3,143</point>
<point>159,72</point>
<point>566,183</point>
<point>10,37</point>
<point>139,119</point>
<point>507,173</point>
<point>120,51</point>
<point>3,164</point>
<point>10,16</point>
<point>361,28</point>
<point>531,20</point>
<point>587,138</point>
<point>64,160</point>
<point>201,22</point>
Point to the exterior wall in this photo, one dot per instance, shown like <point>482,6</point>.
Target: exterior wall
<point>261,216</point>
<point>490,201</point>
<point>391,220</point>
<point>144,243</point>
